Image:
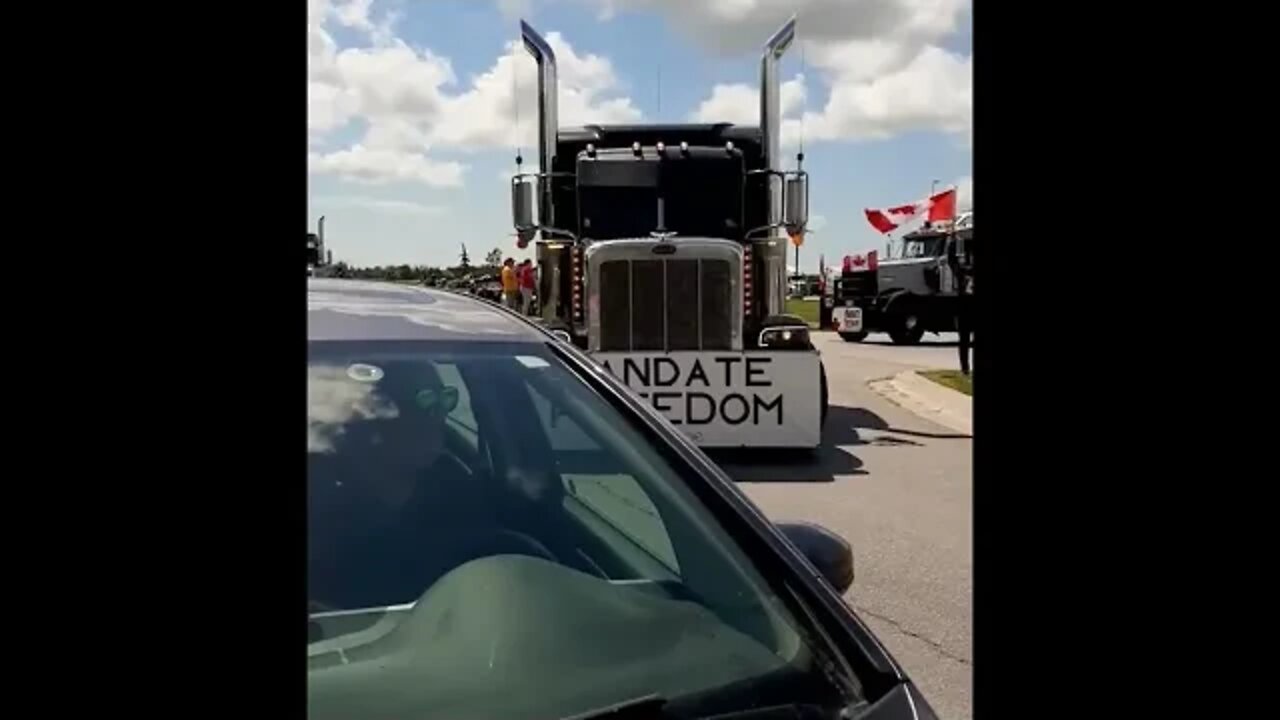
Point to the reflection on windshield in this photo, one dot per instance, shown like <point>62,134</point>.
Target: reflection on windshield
<point>478,516</point>
<point>334,399</point>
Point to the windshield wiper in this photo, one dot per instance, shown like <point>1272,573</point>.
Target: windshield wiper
<point>654,707</point>
<point>647,707</point>
<point>779,712</point>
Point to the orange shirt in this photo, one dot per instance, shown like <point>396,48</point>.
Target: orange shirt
<point>510,283</point>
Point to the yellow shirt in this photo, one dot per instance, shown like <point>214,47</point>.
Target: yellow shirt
<point>509,281</point>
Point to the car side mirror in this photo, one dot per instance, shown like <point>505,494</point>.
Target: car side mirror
<point>826,551</point>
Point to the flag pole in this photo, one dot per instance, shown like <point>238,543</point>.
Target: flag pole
<point>933,186</point>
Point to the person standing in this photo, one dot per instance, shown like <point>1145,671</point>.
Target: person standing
<point>961,262</point>
<point>528,281</point>
<point>510,284</point>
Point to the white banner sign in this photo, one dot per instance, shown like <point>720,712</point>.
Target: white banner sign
<point>728,399</point>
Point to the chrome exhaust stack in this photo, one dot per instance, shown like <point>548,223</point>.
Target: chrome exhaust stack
<point>773,250</point>
<point>548,115</point>
<point>771,100</point>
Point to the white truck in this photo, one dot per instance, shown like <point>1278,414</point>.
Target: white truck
<point>908,295</point>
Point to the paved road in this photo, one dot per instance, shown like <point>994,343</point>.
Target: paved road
<point>934,351</point>
<point>899,488</point>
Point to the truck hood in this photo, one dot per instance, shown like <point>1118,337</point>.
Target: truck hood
<point>908,262</point>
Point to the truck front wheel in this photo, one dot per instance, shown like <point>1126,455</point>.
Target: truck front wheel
<point>907,329</point>
<point>822,396</point>
<point>853,336</point>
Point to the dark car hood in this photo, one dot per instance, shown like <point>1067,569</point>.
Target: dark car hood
<point>904,702</point>
<point>515,637</point>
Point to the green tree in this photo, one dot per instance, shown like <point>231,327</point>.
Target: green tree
<point>494,257</point>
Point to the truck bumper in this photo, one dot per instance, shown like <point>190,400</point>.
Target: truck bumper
<point>859,316</point>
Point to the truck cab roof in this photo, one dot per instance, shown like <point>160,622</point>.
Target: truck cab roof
<point>670,133</point>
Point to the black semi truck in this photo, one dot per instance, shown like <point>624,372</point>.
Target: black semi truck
<point>661,251</point>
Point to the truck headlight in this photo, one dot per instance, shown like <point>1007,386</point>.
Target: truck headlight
<point>791,337</point>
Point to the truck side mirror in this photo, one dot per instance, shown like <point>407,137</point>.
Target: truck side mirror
<point>522,204</point>
<point>796,208</point>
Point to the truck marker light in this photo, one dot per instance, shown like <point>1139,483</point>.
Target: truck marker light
<point>576,302</point>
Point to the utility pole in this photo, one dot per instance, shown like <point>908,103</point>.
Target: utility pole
<point>320,248</point>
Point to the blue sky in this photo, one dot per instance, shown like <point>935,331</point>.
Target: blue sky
<point>413,126</point>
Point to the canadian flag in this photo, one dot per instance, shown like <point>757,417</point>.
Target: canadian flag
<point>936,208</point>
<point>861,263</point>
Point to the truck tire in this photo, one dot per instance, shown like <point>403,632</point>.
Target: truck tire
<point>823,398</point>
<point>853,336</point>
<point>907,328</point>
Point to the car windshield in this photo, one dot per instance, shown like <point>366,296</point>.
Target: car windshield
<point>488,537</point>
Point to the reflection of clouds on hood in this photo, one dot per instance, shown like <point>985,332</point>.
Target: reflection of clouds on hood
<point>416,308</point>
<point>333,400</point>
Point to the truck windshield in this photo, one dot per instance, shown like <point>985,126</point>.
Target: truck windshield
<point>924,247</point>
<point>488,537</point>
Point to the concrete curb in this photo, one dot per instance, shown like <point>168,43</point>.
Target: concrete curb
<point>928,399</point>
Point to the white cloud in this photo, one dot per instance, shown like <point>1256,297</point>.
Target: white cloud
<point>488,115</point>
<point>883,61</point>
<point>354,14</point>
<point>399,207</point>
<point>412,104</point>
<point>515,9</point>
<point>375,166</point>
<point>735,26</point>
<point>934,91</point>
<point>740,104</point>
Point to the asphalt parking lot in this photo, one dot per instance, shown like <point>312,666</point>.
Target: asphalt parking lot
<point>899,488</point>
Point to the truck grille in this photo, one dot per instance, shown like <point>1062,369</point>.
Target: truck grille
<point>856,286</point>
<point>666,304</point>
